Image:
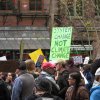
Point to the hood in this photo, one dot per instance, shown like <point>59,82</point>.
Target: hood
<point>49,77</point>
<point>95,88</point>
<point>95,83</point>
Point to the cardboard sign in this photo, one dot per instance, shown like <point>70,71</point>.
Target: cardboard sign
<point>60,43</point>
<point>34,55</point>
<point>86,60</point>
<point>77,59</point>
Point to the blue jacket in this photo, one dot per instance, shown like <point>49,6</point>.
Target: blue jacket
<point>95,93</point>
<point>23,86</point>
<point>88,75</point>
<point>17,89</point>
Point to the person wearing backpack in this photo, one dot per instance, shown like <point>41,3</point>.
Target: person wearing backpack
<point>43,91</point>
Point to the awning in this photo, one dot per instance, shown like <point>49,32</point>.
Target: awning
<point>32,37</point>
<point>82,47</point>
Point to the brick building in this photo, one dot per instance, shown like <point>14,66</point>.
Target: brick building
<point>28,20</point>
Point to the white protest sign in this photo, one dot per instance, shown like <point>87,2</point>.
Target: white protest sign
<point>3,58</point>
<point>77,59</point>
<point>86,60</point>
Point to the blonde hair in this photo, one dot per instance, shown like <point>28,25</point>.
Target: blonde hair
<point>61,62</point>
<point>30,64</point>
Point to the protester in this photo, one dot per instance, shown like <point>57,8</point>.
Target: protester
<point>4,92</point>
<point>62,77</point>
<point>43,91</point>
<point>9,81</point>
<point>95,90</point>
<point>48,71</point>
<point>24,83</point>
<point>76,91</point>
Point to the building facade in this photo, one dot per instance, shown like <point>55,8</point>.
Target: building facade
<point>29,20</point>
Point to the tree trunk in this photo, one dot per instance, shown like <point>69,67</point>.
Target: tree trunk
<point>51,19</point>
<point>96,46</point>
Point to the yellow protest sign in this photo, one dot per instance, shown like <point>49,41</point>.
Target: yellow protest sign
<point>34,55</point>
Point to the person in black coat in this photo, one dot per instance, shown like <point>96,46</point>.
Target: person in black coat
<point>62,77</point>
<point>4,92</point>
<point>43,91</point>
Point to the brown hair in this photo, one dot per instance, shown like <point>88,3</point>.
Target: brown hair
<point>30,64</point>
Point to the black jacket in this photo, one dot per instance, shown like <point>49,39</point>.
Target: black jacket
<point>4,92</point>
<point>63,83</point>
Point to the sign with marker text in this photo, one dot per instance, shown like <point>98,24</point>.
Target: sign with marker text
<point>60,43</point>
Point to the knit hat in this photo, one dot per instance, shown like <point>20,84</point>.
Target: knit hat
<point>43,84</point>
<point>47,65</point>
<point>97,71</point>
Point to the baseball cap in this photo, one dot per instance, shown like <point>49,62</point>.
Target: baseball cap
<point>47,65</point>
<point>97,71</point>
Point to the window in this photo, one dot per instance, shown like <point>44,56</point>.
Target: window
<point>75,7</point>
<point>97,7</point>
<point>6,5</point>
<point>35,5</point>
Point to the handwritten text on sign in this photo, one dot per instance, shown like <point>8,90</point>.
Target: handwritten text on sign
<point>60,43</point>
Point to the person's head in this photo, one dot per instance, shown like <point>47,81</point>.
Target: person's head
<point>87,67</point>
<point>70,62</point>
<point>95,65</point>
<point>21,67</point>
<point>61,64</point>
<point>74,78</point>
<point>43,85</point>
<point>48,67</point>
<point>97,75</point>
<point>30,65</point>
<point>9,77</point>
<point>3,75</point>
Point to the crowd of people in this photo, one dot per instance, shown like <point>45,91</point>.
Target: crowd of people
<point>62,80</point>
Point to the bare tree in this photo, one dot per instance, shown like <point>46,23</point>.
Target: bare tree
<point>88,22</point>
